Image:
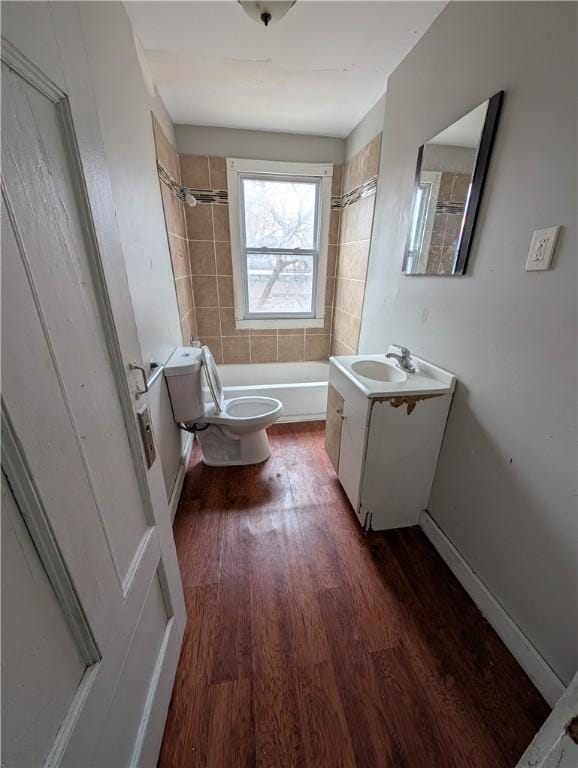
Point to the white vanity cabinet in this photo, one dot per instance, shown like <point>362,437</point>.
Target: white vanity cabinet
<point>384,438</point>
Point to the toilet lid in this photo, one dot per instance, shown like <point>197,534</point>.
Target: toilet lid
<point>213,379</point>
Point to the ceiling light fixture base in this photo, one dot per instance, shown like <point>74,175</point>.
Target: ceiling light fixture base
<point>266,11</point>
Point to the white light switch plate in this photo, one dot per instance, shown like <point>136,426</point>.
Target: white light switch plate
<point>542,249</point>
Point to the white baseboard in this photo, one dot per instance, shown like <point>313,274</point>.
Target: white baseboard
<point>535,666</point>
<point>180,478</point>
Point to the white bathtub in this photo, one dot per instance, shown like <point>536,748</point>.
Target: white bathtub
<point>301,387</point>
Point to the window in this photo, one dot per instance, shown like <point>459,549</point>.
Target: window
<point>279,231</point>
<point>422,223</point>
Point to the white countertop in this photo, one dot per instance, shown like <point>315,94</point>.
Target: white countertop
<point>428,378</point>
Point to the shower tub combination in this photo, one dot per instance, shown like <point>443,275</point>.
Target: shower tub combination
<point>301,387</point>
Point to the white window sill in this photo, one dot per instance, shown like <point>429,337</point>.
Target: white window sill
<point>271,324</point>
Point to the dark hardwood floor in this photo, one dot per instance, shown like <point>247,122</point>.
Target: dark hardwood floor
<point>310,644</point>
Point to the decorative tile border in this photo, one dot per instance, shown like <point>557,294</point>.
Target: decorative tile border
<point>210,196</point>
<point>207,196</point>
<point>363,190</point>
<point>221,196</point>
<point>445,207</point>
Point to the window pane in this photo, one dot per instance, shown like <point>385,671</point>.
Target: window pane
<point>279,284</point>
<point>279,214</point>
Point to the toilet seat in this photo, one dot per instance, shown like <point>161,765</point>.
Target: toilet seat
<point>240,415</point>
<point>212,378</point>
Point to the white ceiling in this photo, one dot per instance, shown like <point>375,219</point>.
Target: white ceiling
<point>318,71</point>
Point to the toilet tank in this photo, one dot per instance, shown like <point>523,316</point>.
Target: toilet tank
<point>183,375</point>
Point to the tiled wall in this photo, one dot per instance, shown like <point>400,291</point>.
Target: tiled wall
<point>447,221</point>
<point>207,228</point>
<point>200,248</point>
<point>173,207</point>
<point>357,205</point>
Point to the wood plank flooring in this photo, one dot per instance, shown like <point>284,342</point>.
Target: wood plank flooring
<point>309,644</point>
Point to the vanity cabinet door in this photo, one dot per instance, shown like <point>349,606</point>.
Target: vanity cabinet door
<point>333,425</point>
<point>352,449</point>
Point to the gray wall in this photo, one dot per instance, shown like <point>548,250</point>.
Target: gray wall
<point>125,98</point>
<point>258,145</point>
<point>440,157</point>
<point>505,487</point>
<point>366,129</point>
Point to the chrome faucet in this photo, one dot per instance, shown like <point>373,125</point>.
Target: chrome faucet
<point>403,360</point>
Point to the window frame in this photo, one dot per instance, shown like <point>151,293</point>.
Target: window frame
<point>431,180</point>
<point>321,175</point>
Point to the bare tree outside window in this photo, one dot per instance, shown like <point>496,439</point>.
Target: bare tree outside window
<point>280,215</point>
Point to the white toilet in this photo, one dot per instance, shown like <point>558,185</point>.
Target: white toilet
<point>231,432</point>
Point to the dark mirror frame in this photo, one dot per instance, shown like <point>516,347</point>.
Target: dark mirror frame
<point>478,181</point>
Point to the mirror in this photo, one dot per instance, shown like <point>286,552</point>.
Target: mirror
<point>450,174</point>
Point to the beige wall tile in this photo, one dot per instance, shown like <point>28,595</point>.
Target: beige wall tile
<point>236,350</point>
<point>446,260</point>
<point>344,260</point>
<point>226,294</point>
<point>331,260</point>
<point>228,323</point>
<point>263,349</point>
<point>291,348</point>
<point>353,259</point>
<point>264,332</point>
<point>439,229</point>
<point>202,257</point>
<point>345,179</point>
<point>349,223</point>
<point>370,159</point>
<point>461,187</point>
<point>179,256</point>
<point>174,167</point>
<point>188,328</point>
<point>330,291</point>
<point>290,331</point>
<point>205,291</point>
<point>334,227</point>
<point>453,227</point>
<point>165,152</point>
<point>161,144</point>
<point>364,220</point>
<point>215,345</point>
<point>173,210</point>
<point>184,295</point>
<point>339,348</point>
<point>199,222</point>
<point>218,172</point>
<point>195,171</point>
<point>446,187</point>
<point>346,328</point>
<point>208,321</point>
<point>317,347</point>
<point>224,262</point>
<point>349,296</point>
<point>221,222</point>
<point>337,180</point>
<point>354,178</point>
<point>326,326</point>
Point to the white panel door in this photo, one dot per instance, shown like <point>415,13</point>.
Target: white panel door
<point>69,460</point>
<point>45,666</point>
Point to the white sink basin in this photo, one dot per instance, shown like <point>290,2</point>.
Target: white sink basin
<point>377,371</point>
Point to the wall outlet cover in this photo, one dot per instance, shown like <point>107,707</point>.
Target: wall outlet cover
<point>542,249</point>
